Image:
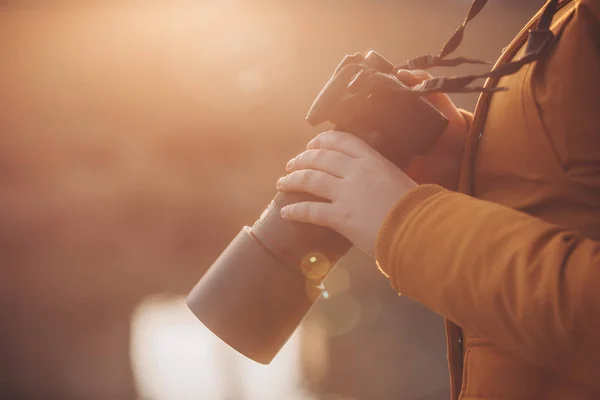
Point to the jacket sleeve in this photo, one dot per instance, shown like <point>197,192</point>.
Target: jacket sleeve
<point>530,287</point>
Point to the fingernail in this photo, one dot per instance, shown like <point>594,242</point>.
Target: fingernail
<point>289,163</point>
<point>280,182</point>
<point>284,211</point>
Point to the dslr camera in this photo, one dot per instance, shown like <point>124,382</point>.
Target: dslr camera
<point>263,284</point>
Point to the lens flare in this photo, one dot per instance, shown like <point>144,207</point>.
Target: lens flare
<point>315,266</point>
<point>347,316</point>
<point>314,293</point>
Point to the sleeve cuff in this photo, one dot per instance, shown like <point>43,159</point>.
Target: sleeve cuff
<point>411,202</point>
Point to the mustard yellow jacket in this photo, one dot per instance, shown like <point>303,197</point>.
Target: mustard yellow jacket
<point>514,260</point>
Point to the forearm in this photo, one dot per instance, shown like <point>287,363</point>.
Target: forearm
<point>528,286</point>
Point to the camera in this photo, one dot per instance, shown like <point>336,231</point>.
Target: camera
<point>262,285</point>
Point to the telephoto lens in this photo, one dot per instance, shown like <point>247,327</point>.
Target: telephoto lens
<point>262,285</point>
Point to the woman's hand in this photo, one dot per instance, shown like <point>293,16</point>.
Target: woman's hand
<point>442,164</point>
<point>361,184</point>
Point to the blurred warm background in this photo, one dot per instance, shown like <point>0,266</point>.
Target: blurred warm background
<point>137,138</point>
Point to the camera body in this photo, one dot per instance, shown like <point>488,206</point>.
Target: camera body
<point>365,98</point>
<point>260,288</point>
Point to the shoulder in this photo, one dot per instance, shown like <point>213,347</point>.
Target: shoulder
<point>591,8</point>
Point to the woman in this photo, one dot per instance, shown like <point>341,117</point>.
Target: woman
<point>498,228</point>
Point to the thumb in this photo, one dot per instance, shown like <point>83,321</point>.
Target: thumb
<point>412,77</point>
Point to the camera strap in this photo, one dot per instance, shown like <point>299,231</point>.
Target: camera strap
<point>537,42</point>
